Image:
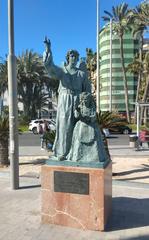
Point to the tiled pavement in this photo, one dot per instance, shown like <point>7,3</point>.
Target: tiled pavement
<point>20,209</point>
<point>20,214</point>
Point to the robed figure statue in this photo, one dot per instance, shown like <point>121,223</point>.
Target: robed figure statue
<point>72,82</point>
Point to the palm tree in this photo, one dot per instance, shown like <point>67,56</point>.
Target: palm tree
<point>141,13</point>
<point>4,136</point>
<point>140,70</point>
<point>27,75</point>
<point>136,67</point>
<point>120,25</point>
<point>3,78</point>
<point>32,82</point>
<point>141,66</point>
<point>91,64</point>
<point>40,101</point>
<point>146,74</point>
<point>109,119</point>
<point>139,23</point>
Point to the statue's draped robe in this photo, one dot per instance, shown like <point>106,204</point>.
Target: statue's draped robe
<point>87,144</point>
<point>70,87</point>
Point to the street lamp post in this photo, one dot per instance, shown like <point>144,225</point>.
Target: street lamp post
<point>13,109</point>
<point>98,80</point>
<point>110,98</point>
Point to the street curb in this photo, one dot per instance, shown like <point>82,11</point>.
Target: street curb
<point>33,157</point>
<point>130,184</point>
<point>132,157</point>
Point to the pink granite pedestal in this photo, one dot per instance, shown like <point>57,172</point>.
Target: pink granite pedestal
<point>89,210</point>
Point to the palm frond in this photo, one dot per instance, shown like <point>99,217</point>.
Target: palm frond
<point>108,120</point>
<point>108,13</point>
<point>106,19</point>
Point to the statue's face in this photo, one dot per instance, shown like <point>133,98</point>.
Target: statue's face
<point>72,59</point>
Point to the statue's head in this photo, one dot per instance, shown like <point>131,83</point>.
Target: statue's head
<point>86,98</point>
<point>72,56</point>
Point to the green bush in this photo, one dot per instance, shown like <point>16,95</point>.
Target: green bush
<point>49,137</point>
<point>110,119</point>
<point>23,128</point>
<point>23,120</point>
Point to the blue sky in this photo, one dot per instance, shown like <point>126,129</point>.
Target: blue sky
<point>70,24</point>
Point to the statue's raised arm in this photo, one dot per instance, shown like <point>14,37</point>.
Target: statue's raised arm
<point>47,44</point>
<point>47,54</point>
<point>53,70</point>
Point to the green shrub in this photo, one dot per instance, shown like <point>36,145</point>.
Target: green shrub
<point>49,137</point>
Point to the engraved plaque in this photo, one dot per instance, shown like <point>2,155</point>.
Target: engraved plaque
<point>70,182</point>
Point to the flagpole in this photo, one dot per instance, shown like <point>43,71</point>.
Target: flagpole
<point>97,77</point>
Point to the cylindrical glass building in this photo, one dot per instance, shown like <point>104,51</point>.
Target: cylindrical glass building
<point>118,96</point>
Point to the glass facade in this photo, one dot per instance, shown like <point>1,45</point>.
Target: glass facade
<point>130,47</point>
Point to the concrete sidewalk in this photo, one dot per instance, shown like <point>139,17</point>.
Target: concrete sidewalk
<point>32,151</point>
<point>20,214</point>
<point>20,209</point>
<point>128,164</point>
<point>127,151</point>
<point>120,150</point>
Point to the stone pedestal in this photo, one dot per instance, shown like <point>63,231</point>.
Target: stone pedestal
<point>79,197</point>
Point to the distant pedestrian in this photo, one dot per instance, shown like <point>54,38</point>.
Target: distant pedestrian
<point>41,132</point>
<point>43,141</point>
<point>39,128</point>
<point>45,126</point>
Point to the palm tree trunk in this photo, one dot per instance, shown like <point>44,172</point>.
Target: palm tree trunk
<point>26,109</point>
<point>144,99</point>
<point>124,79</point>
<point>4,152</point>
<point>145,116</point>
<point>139,77</point>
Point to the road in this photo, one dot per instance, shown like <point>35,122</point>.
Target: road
<point>29,139</point>
<point>118,139</point>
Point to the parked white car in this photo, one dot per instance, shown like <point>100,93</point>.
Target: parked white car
<point>34,123</point>
<point>106,132</point>
<point>52,125</point>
